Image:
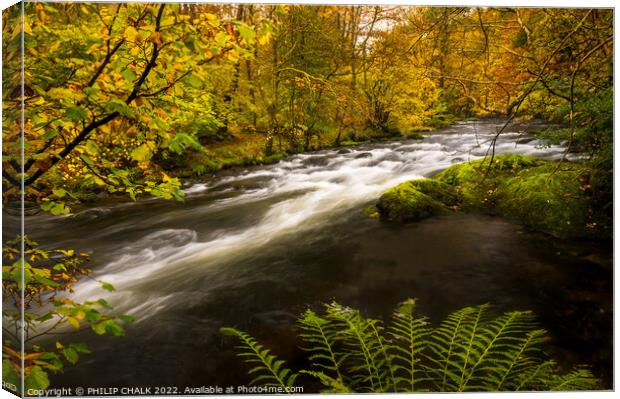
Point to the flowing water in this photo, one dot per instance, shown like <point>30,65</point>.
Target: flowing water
<point>252,248</point>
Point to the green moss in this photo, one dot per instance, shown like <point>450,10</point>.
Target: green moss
<point>414,135</point>
<point>273,158</point>
<point>348,143</point>
<point>437,190</point>
<point>372,212</point>
<point>538,193</point>
<point>408,203</point>
<point>547,199</point>
<point>415,129</point>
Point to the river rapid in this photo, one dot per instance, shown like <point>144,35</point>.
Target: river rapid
<point>252,248</point>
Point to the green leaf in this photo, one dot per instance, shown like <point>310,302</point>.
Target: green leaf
<point>194,81</point>
<point>91,91</point>
<point>181,141</point>
<point>80,347</point>
<point>91,147</point>
<point>45,317</point>
<point>36,379</point>
<point>141,153</point>
<point>110,327</point>
<point>104,303</point>
<point>9,376</point>
<point>127,318</point>
<point>247,33</point>
<point>115,329</point>
<point>59,192</point>
<point>71,355</point>
<point>76,114</point>
<point>55,208</point>
<point>128,74</point>
<point>119,106</point>
<point>98,328</point>
<point>87,159</point>
<point>45,281</point>
<point>50,134</point>
<point>107,286</point>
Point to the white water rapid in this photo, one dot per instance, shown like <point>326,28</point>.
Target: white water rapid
<point>163,265</point>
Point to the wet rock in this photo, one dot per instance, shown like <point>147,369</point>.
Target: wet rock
<point>457,160</point>
<point>392,157</point>
<point>363,155</point>
<point>344,151</point>
<point>317,161</point>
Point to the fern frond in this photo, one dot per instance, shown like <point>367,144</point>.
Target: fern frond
<point>536,378</point>
<point>358,339</point>
<point>269,369</point>
<point>335,385</point>
<point>472,348</point>
<point>447,340</point>
<point>578,379</point>
<point>496,338</point>
<point>383,358</point>
<point>520,358</point>
<point>412,333</point>
<point>320,337</point>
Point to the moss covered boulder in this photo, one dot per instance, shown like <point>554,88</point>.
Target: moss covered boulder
<point>549,199</point>
<point>477,190</point>
<point>415,200</point>
<point>545,195</point>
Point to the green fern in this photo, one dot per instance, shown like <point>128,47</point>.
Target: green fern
<point>320,335</point>
<point>268,369</point>
<point>471,350</point>
<point>360,347</point>
<point>409,334</point>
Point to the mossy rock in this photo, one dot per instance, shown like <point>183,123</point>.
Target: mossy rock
<point>372,212</point>
<point>502,164</point>
<point>437,190</point>
<point>544,195</point>
<point>478,191</point>
<point>414,135</point>
<point>547,199</point>
<point>414,200</point>
<point>275,157</point>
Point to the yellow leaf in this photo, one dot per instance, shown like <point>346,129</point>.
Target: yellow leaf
<point>27,28</point>
<point>59,345</point>
<point>80,315</point>
<point>98,181</point>
<point>131,34</point>
<point>264,39</point>
<point>135,51</point>
<point>75,323</point>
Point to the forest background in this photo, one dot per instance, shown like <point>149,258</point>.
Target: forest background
<point>136,96</point>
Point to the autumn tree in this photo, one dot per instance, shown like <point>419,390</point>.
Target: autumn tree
<point>106,94</point>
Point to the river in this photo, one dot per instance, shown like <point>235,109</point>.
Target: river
<point>252,248</point>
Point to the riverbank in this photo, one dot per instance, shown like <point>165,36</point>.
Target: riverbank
<point>565,199</point>
<point>245,149</point>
